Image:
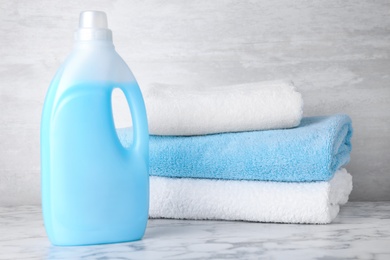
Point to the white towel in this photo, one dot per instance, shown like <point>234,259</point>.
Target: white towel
<point>310,202</point>
<point>176,110</point>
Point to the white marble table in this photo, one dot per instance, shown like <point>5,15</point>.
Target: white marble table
<point>361,231</point>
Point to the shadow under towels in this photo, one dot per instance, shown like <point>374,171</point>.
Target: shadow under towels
<point>313,151</point>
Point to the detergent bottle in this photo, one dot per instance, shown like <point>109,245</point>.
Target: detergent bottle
<point>94,190</point>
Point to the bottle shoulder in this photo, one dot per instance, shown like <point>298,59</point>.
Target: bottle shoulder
<point>99,68</point>
<point>95,65</point>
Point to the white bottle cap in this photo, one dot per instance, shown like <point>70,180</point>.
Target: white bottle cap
<point>93,19</point>
<point>93,26</point>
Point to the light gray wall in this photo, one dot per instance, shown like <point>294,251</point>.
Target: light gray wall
<point>336,52</point>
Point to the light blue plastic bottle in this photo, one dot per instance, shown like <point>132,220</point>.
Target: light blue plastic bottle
<point>94,190</point>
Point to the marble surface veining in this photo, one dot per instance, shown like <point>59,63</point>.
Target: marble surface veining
<point>361,231</point>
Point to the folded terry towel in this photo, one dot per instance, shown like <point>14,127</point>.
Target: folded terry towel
<point>310,202</point>
<point>176,110</point>
<point>311,152</point>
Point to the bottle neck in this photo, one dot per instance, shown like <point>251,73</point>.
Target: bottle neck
<point>83,44</point>
<point>93,34</point>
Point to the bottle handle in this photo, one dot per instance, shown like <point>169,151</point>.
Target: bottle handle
<point>138,114</point>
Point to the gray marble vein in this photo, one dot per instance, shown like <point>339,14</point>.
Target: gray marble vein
<point>361,231</point>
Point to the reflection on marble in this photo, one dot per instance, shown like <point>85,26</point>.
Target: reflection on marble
<point>361,231</point>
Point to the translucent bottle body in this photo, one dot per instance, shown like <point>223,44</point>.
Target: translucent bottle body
<point>94,190</point>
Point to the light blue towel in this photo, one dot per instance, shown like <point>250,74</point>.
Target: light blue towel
<point>313,151</point>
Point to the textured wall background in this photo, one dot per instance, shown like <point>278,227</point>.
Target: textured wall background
<point>336,51</point>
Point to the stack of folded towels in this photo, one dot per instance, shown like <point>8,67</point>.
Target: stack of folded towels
<point>244,152</point>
